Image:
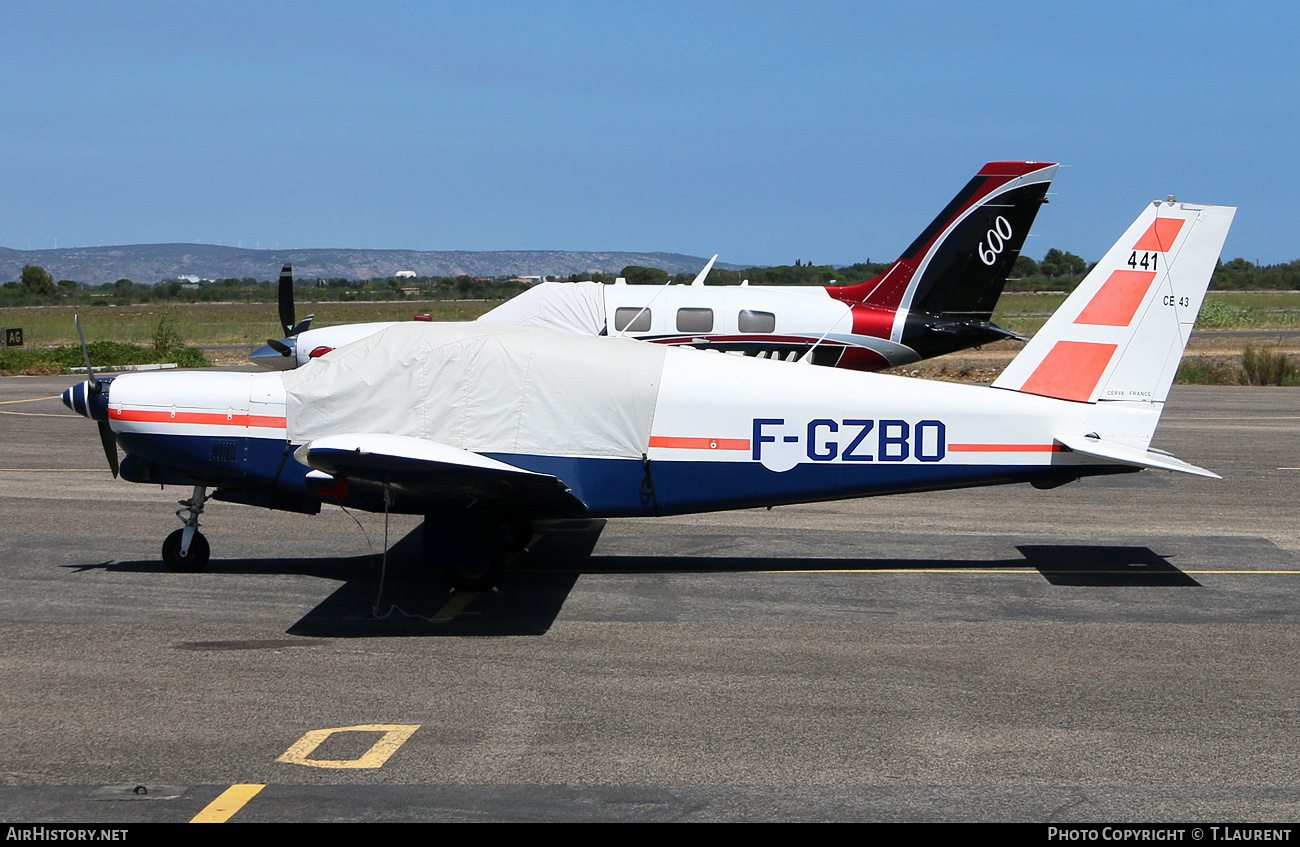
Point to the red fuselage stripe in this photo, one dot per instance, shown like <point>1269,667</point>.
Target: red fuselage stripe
<point>684,443</point>
<point>207,418</point>
<point>1004,448</point>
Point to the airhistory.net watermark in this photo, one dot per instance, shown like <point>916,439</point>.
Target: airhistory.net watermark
<point>42,833</point>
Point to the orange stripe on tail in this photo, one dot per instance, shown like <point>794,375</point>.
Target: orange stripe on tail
<point>1071,370</point>
<point>1160,235</point>
<point>1118,299</point>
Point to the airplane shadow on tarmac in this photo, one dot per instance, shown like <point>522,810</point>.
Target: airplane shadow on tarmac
<point>416,601</point>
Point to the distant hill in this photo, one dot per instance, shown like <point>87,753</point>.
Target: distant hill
<point>149,263</point>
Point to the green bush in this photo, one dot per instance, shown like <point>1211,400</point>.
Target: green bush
<point>1198,370</point>
<point>166,336</point>
<point>1218,315</point>
<point>1265,367</point>
<point>103,354</point>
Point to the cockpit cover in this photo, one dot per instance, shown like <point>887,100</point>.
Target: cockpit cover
<point>483,388</point>
<point>567,306</point>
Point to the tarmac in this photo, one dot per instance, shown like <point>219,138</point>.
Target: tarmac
<point>1117,649</point>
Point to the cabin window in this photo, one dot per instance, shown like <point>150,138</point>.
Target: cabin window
<point>752,321</point>
<point>694,320</point>
<point>632,319</point>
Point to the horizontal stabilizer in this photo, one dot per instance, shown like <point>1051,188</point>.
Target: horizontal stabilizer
<point>1110,451</point>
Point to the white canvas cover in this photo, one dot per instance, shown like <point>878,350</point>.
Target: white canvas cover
<point>483,388</point>
<point>577,307</point>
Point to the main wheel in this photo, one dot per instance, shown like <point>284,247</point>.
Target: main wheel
<point>493,528</point>
<point>482,576</point>
<point>193,561</point>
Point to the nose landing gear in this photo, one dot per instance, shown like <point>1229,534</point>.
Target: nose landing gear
<point>186,550</point>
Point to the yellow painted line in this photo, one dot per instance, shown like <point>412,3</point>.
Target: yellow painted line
<point>1242,572</point>
<point>1019,570</point>
<point>48,470</point>
<point>28,400</point>
<point>904,570</point>
<point>455,606</point>
<point>1027,568</point>
<point>230,801</point>
<point>37,414</point>
<point>394,736</point>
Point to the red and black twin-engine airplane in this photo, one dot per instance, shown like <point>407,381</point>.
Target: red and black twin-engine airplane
<point>938,297</point>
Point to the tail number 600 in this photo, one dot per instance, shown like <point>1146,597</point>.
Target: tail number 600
<point>996,240</point>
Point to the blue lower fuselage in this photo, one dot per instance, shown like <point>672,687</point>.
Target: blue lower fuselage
<point>263,471</point>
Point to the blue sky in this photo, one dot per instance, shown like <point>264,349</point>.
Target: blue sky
<point>767,132</point>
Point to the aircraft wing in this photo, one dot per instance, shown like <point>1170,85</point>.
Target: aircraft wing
<point>1157,460</point>
<point>436,472</point>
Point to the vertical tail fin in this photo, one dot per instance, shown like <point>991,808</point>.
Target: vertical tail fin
<point>1121,334</point>
<point>959,264</point>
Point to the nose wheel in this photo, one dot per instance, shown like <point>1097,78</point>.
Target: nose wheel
<point>186,550</point>
<point>191,561</point>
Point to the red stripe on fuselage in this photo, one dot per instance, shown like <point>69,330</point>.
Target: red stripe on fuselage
<point>1004,448</point>
<point>242,419</point>
<point>674,442</point>
<point>738,339</point>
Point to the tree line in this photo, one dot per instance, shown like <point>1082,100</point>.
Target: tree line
<point>1057,271</point>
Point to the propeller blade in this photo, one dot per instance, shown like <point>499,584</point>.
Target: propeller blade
<point>279,347</point>
<point>85,354</point>
<point>110,446</point>
<point>94,386</point>
<point>286,299</point>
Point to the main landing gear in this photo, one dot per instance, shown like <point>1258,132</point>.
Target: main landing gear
<point>186,550</point>
<point>473,548</point>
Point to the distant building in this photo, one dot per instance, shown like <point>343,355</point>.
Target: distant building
<point>405,274</point>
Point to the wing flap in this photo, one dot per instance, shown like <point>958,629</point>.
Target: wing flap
<point>435,471</point>
<point>1112,452</point>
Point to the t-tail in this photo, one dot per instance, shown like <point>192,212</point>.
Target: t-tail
<point>1117,341</point>
<point>943,289</point>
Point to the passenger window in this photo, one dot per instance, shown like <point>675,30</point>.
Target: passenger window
<point>694,320</point>
<point>752,321</point>
<point>632,319</point>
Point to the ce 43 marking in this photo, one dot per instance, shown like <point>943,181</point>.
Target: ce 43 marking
<point>1146,263</point>
<point>1171,300</point>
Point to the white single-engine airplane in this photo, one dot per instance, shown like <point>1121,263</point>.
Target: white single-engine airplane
<point>489,430</point>
<point>935,299</point>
